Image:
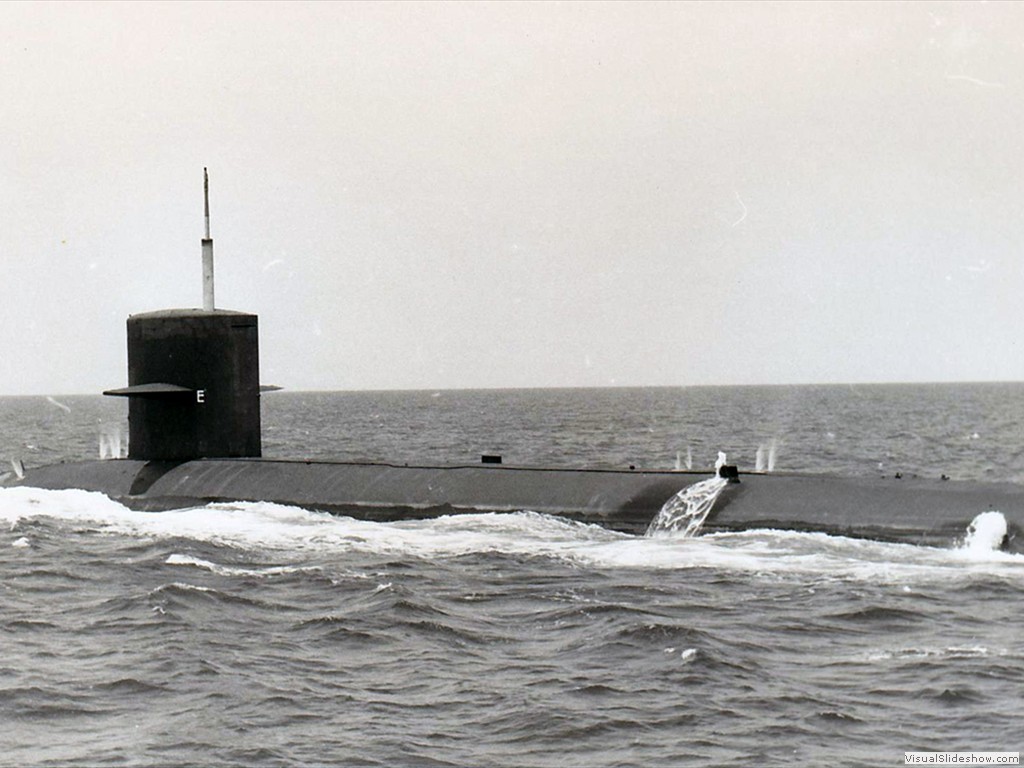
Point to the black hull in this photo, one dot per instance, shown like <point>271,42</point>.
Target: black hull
<point>912,510</point>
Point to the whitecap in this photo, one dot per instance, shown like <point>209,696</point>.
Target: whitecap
<point>231,570</point>
<point>934,652</point>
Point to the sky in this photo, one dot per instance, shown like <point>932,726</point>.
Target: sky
<point>461,195</point>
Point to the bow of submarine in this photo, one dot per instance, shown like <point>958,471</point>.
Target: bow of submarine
<point>931,512</point>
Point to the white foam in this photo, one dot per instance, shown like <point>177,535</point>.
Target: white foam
<point>184,586</point>
<point>289,532</point>
<point>986,533</point>
<point>23,502</point>
<point>230,570</point>
<point>951,652</point>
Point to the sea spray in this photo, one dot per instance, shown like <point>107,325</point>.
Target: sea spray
<point>111,443</point>
<point>765,456</point>
<point>686,511</point>
<point>59,404</point>
<point>247,539</point>
<point>986,533</point>
<point>688,463</point>
<point>721,461</point>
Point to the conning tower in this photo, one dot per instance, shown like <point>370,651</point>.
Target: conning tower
<point>193,377</point>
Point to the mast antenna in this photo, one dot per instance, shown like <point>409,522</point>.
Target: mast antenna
<point>206,201</point>
<point>207,248</point>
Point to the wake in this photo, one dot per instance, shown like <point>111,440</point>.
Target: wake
<point>295,536</point>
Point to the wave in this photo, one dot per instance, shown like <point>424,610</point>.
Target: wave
<point>234,570</point>
<point>935,653</point>
<point>880,615</point>
<point>289,532</point>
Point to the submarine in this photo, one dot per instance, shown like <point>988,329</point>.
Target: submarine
<point>194,438</point>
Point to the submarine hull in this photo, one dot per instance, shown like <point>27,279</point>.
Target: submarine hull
<point>619,500</point>
<point>912,510</point>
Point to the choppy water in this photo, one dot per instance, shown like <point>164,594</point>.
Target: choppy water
<point>254,634</point>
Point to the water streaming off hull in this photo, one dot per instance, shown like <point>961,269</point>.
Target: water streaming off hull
<point>685,512</point>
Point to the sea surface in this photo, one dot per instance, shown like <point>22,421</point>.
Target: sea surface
<point>252,634</point>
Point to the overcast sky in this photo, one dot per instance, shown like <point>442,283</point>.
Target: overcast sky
<point>510,195</point>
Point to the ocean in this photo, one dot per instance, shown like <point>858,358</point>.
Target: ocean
<point>251,634</point>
